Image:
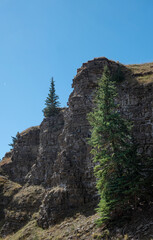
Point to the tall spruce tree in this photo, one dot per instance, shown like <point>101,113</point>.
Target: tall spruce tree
<point>113,152</point>
<point>52,103</point>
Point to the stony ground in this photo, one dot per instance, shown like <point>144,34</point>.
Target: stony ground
<point>82,226</point>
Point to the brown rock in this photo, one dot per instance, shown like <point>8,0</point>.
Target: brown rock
<point>56,155</point>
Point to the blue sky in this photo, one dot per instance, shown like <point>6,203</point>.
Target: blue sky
<point>44,38</point>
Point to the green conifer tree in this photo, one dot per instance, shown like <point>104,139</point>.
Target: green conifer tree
<point>14,140</point>
<point>52,103</point>
<point>113,152</point>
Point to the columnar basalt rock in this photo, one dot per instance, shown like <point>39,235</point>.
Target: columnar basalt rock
<point>43,170</point>
<point>56,155</point>
<point>136,105</point>
<point>73,168</point>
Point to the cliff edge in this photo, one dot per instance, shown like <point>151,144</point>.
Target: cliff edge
<point>51,167</point>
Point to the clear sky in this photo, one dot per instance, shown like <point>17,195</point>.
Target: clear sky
<point>44,38</point>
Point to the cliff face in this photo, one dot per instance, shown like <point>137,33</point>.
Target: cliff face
<point>56,155</point>
<point>18,162</point>
<point>43,171</point>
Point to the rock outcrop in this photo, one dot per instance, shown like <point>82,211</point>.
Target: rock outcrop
<point>21,208</point>
<point>7,190</point>
<point>55,156</point>
<point>43,171</point>
<point>19,161</point>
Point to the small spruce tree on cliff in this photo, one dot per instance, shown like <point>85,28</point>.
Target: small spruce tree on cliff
<point>14,140</point>
<point>52,103</point>
<point>113,152</point>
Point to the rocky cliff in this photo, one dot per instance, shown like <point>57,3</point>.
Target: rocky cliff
<point>52,162</point>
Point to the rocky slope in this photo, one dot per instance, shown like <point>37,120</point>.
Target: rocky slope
<point>52,162</point>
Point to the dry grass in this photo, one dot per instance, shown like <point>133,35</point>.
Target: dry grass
<point>28,195</point>
<point>78,227</point>
<point>5,161</point>
<point>29,129</point>
<point>143,73</point>
<point>9,187</point>
<point>82,227</point>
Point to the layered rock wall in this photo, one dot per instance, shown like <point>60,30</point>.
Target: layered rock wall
<point>56,155</point>
<point>136,102</point>
<point>45,168</point>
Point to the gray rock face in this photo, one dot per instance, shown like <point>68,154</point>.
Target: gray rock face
<point>42,172</point>
<point>136,104</point>
<point>56,155</point>
<point>73,168</point>
<point>23,155</point>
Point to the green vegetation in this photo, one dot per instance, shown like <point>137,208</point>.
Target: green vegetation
<point>14,140</point>
<point>118,168</point>
<point>52,103</point>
